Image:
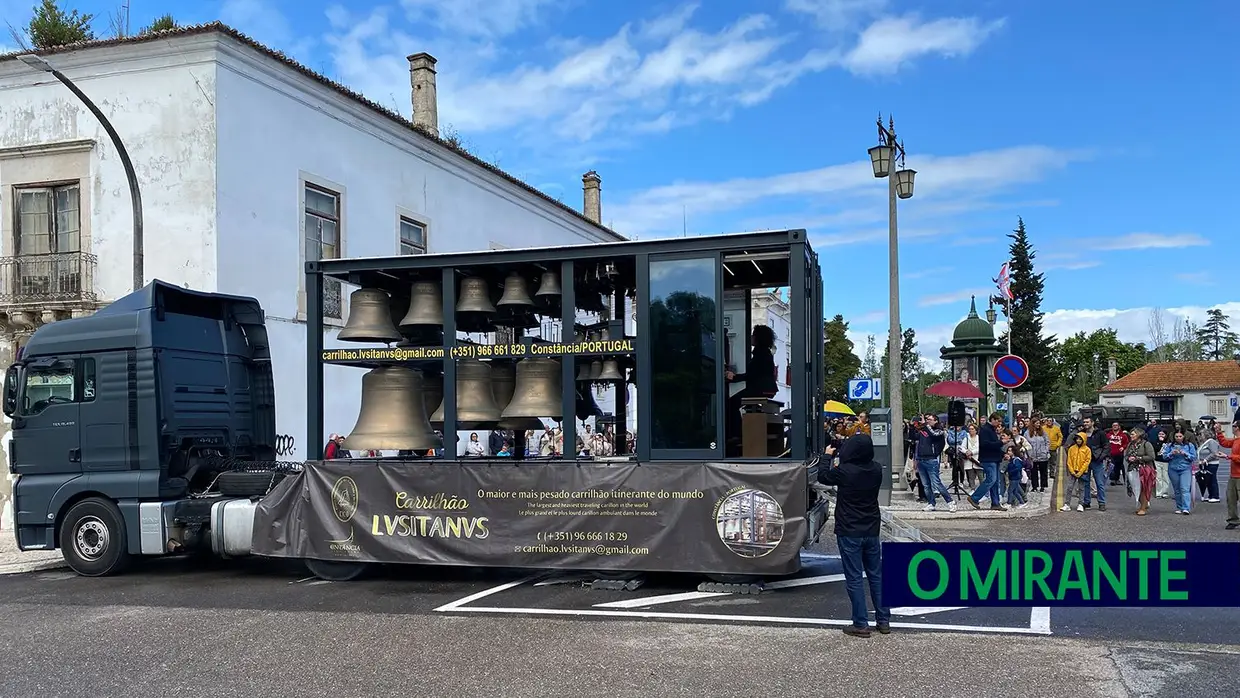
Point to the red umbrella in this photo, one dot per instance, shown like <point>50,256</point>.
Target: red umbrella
<point>955,390</point>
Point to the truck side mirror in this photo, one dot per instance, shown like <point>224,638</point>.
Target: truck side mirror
<point>11,381</point>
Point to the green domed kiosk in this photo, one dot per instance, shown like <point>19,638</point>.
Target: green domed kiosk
<point>973,352</point>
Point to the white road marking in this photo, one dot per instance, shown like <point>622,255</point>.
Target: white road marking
<point>456,605</point>
<point>819,556</point>
<point>318,583</point>
<point>1040,619</point>
<point>596,612</point>
<point>666,598</point>
<point>561,580</point>
<point>923,610</point>
<point>303,581</point>
<point>804,581</point>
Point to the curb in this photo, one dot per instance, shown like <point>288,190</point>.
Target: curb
<point>962,514</point>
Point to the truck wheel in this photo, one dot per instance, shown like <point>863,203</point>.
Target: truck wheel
<point>337,571</point>
<point>93,540</point>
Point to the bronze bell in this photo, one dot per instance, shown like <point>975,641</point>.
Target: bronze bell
<point>583,374</point>
<point>549,285</point>
<point>503,385</point>
<point>475,296</point>
<point>538,391</point>
<point>393,413</point>
<point>596,370</point>
<point>516,291</point>
<point>432,394</point>
<point>611,371</point>
<point>370,318</point>
<point>586,406</point>
<point>475,401</point>
<point>425,305</point>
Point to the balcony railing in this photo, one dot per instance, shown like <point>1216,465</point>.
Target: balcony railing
<point>48,278</point>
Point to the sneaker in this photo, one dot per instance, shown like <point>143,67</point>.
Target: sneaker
<point>1213,499</point>
<point>1102,507</point>
<point>928,507</point>
<point>1232,526</point>
<point>855,631</point>
<point>1086,506</point>
<point>951,506</point>
<point>972,502</point>
<point>1179,511</point>
<point>1022,505</point>
<point>1065,508</point>
<point>884,629</point>
<point>997,507</point>
<point>1080,507</point>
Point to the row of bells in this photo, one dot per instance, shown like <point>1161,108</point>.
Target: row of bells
<point>395,402</point>
<point>370,314</point>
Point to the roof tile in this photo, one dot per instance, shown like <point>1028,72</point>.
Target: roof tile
<point>1179,375</point>
<point>222,28</point>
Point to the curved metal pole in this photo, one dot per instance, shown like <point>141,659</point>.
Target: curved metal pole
<point>134,193</point>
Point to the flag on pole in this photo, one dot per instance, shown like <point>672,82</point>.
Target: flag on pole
<point>1004,281</point>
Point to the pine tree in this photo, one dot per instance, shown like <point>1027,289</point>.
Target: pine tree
<point>840,363</point>
<point>1025,321</point>
<point>870,365</point>
<point>52,26</point>
<point>1217,341</point>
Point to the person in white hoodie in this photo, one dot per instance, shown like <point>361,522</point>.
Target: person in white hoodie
<point>1208,456</point>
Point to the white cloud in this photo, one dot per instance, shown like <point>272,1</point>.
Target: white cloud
<point>267,25</point>
<point>953,297</point>
<point>1200,278</point>
<point>926,273</point>
<point>873,317</point>
<point>890,43</point>
<point>481,18</point>
<point>1146,241</point>
<point>837,15</point>
<point>1071,265</point>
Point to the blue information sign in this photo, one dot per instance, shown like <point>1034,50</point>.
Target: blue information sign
<point>1011,372</point>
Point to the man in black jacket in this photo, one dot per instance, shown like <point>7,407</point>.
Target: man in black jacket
<point>928,443</point>
<point>989,454</point>
<point>857,480</point>
<point>1100,453</point>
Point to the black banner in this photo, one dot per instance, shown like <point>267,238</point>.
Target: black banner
<point>518,350</point>
<point>710,518</point>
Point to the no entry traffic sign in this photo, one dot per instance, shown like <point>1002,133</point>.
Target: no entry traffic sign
<point>1011,372</point>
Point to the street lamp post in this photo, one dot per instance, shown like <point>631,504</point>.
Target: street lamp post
<point>884,156</point>
<point>135,195</point>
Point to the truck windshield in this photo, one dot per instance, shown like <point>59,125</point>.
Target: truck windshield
<point>47,385</point>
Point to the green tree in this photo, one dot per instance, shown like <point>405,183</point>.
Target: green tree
<point>1218,342</point>
<point>1186,342</point>
<point>53,26</point>
<point>160,24</point>
<point>1081,362</point>
<point>1025,322</point>
<point>840,363</point>
<point>871,367</point>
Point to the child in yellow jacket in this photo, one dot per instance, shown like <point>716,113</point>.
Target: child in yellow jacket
<point>1079,457</point>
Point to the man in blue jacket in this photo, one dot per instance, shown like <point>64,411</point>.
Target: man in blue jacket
<point>928,443</point>
<point>990,453</point>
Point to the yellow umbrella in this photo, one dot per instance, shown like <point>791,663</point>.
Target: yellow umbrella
<point>837,407</point>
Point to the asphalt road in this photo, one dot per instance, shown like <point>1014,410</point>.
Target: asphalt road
<point>249,628</point>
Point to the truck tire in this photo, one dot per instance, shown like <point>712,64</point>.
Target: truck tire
<point>246,483</point>
<point>337,571</point>
<point>93,538</point>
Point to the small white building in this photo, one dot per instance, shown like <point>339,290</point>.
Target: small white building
<point>770,308</point>
<point>1182,389</point>
<point>249,164</point>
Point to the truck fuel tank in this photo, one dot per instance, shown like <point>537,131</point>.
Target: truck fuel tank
<point>232,527</point>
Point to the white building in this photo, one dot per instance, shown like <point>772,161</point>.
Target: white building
<point>1181,389</point>
<point>770,307</point>
<point>249,164</point>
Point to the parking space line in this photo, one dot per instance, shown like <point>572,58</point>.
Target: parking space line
<point>456,605</point>
<point>1040,619</point>
<point>803,582</point>
<point>666,598</point>
<point>773,620</point>
<point>923,611</point>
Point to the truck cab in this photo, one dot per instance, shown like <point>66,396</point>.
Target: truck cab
<point>123,423</point>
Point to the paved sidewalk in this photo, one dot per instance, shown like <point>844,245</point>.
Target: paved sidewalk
<point>14,561</point>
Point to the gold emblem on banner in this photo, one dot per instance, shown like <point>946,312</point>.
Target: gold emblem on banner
<point>344,499</point>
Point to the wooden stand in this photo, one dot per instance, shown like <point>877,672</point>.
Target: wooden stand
<point>762,429</point>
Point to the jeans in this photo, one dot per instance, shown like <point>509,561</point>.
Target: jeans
<point>1164,483</point>
<point>1182,485</point>
<point>928,471</point>
<point>863,555</point>
<point>1098,469</point>
<point>990,483</point>
<point>1039,477</point>
<point>1016,494</point>
<point>1210,491</point>
<point>1233,500</point>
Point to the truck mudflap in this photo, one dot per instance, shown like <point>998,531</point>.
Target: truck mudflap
<point>817,516</point>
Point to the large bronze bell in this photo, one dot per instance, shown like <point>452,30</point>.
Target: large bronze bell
<point>475,402</point>
<point>393,413</point>
<point>503,385</point>
<point>425,305</point>
<point>370,318</point>
<point>611,371</point>
<point>583,373</point>
<point>549,285</point>
<point>475,296</point>
<point>596,370</point>
<point>516,291</point>
<point>432,394</point>
<point>538,392</point>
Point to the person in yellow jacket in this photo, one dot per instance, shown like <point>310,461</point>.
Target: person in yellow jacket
<point>1079,458</point>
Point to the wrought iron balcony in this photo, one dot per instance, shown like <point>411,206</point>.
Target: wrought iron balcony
<point>62,278</point>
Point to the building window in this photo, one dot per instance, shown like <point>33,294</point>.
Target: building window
<point>412,236</point>
<point>322,216</point>
<point>48,240</point>
<point>1218,407</point>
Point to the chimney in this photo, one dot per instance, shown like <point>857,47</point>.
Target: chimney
<point>422,80</point>
<point>1112,367</point>
<point>592,187</point>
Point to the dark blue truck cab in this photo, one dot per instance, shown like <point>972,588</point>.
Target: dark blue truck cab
<point>139,429</point>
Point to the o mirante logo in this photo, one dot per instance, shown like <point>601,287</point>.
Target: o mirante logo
<point>344,499</point>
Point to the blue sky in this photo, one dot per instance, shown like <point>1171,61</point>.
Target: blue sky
<point>1091,120</point>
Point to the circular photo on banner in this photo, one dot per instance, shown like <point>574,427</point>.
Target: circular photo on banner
<point>750,523</point>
